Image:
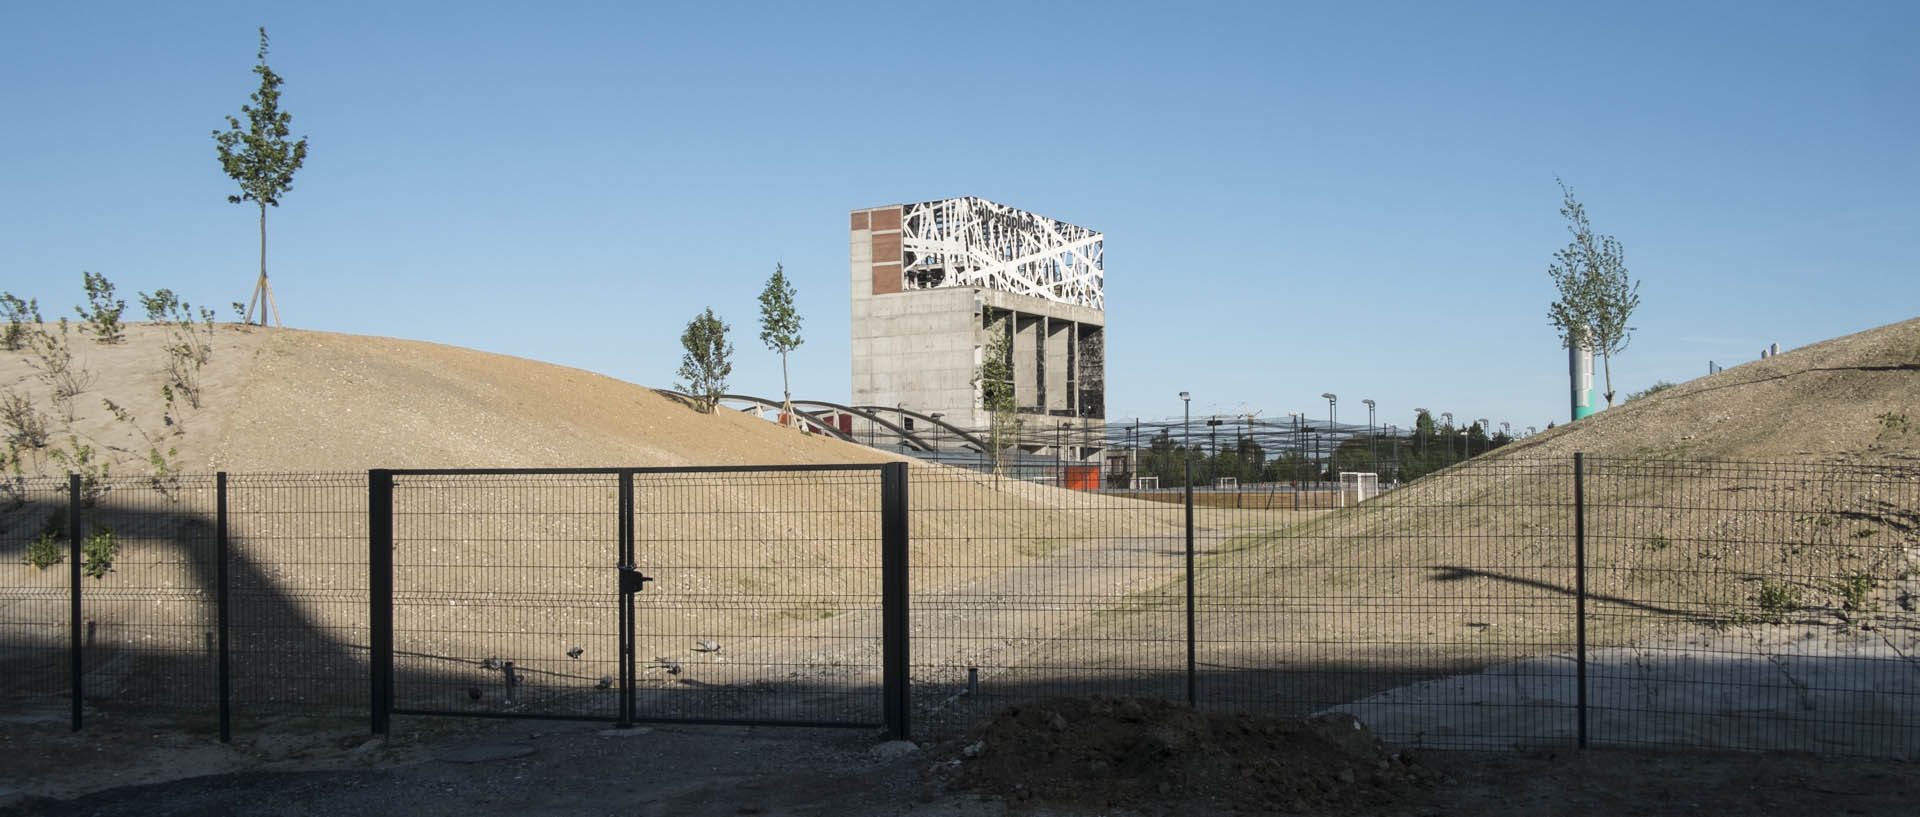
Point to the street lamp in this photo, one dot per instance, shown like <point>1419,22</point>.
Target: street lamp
<point>1060,450</point>
<point>1486,436</point>
<point>1213,442</point>
<point>1186,437</point>
<point>1332,424</point>
<point>1372,458</point>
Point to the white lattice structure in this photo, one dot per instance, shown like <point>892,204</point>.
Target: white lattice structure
<point>972,242</point>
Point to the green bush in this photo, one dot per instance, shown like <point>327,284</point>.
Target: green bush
<point>1856,591</point>
<point>103,312</point>
<point>97,552</point>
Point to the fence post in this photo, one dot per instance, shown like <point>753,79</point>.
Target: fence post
<point>224,592</point>
<point>74,644</point>
<point>1580,593</point>
<point>380,597</point>
<point>626,557</point>
<point>894,590</point>
<point>1191,695</point>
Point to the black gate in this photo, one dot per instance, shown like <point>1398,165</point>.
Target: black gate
<point>766,595</point>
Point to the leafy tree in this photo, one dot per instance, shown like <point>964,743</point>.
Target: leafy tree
<point>780,328</point>
<point>995,378</point>
<point>1596,298</point>
<point>263,161</point>
<point>707,362</point>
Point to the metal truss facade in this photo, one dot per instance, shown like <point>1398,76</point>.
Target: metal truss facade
<point>972,242</point>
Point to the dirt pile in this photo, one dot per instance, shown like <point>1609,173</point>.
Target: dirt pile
<point>1134,753</point>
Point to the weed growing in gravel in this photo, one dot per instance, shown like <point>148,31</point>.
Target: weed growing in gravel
<point>1658,543</point>
<point>48,546</point>
<point>1896,423</point>
<point>97,552</point>
<point>1777,599</point>
<point>1856,592</point>
<point>1864,533</point>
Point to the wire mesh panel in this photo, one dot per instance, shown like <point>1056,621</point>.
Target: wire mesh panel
<point>1440,613</point>
<point>766,600</point>
<point>297,569</point>
<point>1024,588</point>
<point>1755,605</point>
<point>149,594</point>
<point>505,594</point>
<point>34,597</point>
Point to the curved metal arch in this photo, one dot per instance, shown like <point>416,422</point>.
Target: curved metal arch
<point>963,434</point>
<point>813,419</point>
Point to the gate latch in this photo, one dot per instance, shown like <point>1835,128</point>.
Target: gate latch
<point>632,580</point>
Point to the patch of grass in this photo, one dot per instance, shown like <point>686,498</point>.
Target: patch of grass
<point>1895,422</point>
<point>811,613</point>
<point>1856,592</point>
<point>1658,543</point>
<point>1777,599</point>
<point>1864,533</point>
<point>1037,548</point>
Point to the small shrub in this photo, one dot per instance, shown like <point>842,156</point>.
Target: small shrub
<point>1896,423</point>
<point>26,426</point>
<point>189,343</point>
<point>78,459</point>
<point>1777,599</point>
<point>49,546</point>
<point>1658,543</point>
<point>1864,533</point>
<point>103,312</point>
<point>53,357</point>
<point>97,552</point>
<point>21,315</point>
<point>1656,388</point>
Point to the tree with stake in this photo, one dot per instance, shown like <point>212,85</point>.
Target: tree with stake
<point>263,161</point>
<point>780,330</point>
<point>707,362</point>
<point>1596,297</point>
<point>995,379</point>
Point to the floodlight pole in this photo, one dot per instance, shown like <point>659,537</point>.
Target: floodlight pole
<point>1373,458</point>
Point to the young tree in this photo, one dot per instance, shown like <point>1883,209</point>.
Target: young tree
<point>780,329</point>
<point>1596,297</point>
<point>263,161</point>
<point>995,377</point>
<point>707,362</point>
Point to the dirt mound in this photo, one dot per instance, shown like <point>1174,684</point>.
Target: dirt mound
<point>1851,397</point>
<point>1135,752</point>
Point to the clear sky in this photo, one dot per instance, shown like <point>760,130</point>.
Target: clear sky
<point>1297,198</point>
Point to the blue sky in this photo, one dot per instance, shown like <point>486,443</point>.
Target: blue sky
<point>1297,198</point>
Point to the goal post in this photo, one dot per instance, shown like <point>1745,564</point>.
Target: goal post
<point>1358,486</point>
<point>1226,483</point>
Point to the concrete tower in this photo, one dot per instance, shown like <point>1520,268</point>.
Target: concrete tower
<point>932,281</point>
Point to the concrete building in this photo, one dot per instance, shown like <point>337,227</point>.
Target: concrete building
<point>932,281</point>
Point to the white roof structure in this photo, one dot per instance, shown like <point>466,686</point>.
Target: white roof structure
<point>972,242</point>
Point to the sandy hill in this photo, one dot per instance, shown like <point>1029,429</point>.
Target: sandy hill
<point>295,400</point>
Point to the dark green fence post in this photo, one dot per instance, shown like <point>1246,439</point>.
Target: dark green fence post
<point>380,597</point>
<point>1580,593</point>
<point>894,591</point>
<point>74,643</point>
